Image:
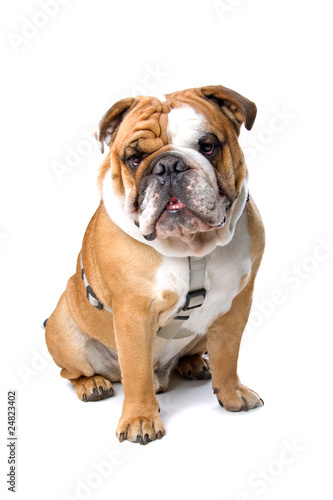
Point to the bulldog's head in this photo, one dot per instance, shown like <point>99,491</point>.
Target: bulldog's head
<point>175,176</point>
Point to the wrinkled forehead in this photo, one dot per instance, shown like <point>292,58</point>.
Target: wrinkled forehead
<point>191,116</point>
<point>154,123</point>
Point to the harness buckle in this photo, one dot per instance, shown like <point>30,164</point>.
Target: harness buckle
<point>194,299</point>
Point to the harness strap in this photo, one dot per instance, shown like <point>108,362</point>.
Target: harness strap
<point>90,294</point>
<point>194,298</point>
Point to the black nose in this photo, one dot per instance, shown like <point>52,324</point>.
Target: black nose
<point>168,166</point>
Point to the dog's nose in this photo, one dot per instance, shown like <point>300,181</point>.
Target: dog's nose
<point>167,166</point>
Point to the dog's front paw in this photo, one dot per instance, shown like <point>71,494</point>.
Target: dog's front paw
<point>240,399</point>
<point>140,429</point>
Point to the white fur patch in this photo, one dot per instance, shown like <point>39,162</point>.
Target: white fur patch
<point>226,267</point>
<point>185,126</point>
<point>115,207</point>
<point>172,275</point>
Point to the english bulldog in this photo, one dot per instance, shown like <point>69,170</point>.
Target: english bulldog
<point>165,276</point>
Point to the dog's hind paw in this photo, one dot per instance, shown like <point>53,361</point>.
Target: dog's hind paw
<point>93,388</point>
<point>194,367</point>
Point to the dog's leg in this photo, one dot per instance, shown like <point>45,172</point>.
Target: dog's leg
<point>72,351</point>
<point>224,338</point>
<point>140,421</point>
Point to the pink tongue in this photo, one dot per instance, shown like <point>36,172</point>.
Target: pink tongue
<point>174,204</point>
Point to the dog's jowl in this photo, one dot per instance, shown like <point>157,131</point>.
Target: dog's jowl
<point>168,261</point>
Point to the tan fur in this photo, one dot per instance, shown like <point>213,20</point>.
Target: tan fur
<point>94,347</point>
<point>225,335</point>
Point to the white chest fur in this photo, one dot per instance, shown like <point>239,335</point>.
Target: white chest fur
<point>227,268</point>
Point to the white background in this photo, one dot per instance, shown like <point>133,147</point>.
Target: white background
<point>56,85</point>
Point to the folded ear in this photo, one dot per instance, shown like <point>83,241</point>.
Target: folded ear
<point>111,120</point>
<point>238,109</point>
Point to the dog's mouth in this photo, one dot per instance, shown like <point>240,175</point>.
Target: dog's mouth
<point>174,205</point>
<point>177,219</point>
<point>182,205</point>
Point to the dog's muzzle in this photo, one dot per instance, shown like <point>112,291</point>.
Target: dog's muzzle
<point>178,198</point>
<point>168,167</point>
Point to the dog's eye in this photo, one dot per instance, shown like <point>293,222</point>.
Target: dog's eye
<point>207,148</point>
<point>135,160</point>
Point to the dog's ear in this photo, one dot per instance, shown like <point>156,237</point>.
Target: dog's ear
<point>111,120</point>
<point>238,109</point>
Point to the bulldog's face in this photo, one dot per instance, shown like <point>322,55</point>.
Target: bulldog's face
<point>175,175</point>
